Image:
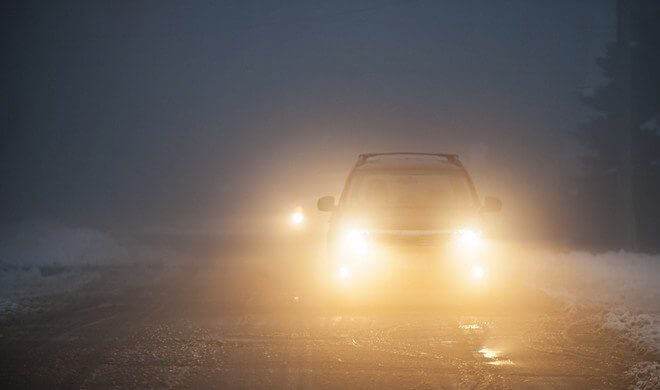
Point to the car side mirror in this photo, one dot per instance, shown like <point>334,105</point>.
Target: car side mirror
<point>326,203</point>
<point>491,205</point>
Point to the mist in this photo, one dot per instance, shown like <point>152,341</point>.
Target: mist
<point>165,116</point>
<point>187,202</point>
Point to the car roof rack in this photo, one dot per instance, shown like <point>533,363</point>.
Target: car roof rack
<point>450,157</point>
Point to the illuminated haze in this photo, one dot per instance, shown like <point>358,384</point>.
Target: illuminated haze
<point>139,116</point>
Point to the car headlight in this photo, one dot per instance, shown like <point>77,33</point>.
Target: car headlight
<point>468,239</point>
<point>356,241</point>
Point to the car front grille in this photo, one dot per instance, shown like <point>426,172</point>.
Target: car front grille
<point>413,240</point>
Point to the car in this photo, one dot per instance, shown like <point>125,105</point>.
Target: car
<point>406,222</point>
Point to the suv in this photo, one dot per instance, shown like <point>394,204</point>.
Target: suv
<point>406,220</point>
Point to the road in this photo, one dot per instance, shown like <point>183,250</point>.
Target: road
<point>199,326</point>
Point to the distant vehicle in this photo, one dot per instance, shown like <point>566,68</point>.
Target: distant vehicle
<point>410,220</point>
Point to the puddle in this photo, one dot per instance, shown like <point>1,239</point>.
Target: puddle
<point>492,355</point>
<point>470,326</point>
<point>488,353</point>
<point>505,362</point>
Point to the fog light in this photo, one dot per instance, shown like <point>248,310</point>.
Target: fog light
<point>345,273</point>
<point>478,272</point>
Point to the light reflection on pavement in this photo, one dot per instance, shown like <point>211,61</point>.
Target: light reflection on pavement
<point>172,335</point>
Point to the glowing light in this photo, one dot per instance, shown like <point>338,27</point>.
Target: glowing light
<point>468,238</point>
<point>356,241</point>
<point>297,217</point>
<point>505,362</point>
<point>493,356</point>
<point>345,273</point>
<point>478,272</point>
<point>488,353</point>
<point>470,327</point>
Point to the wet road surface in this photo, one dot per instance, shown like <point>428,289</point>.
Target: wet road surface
<point>181,332</point>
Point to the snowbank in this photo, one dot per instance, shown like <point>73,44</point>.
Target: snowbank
<point>645,375</point>
<point>624,286</point>
<point>42,243</point>
<point>609,279</point>
<point>40,258</point>
<point>41,253</point>
<point>641,330</point>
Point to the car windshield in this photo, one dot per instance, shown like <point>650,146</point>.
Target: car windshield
<point>409,189</point>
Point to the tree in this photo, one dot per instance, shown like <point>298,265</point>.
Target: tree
<point>622,182</point>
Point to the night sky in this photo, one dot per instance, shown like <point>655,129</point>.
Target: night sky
<point>165,114</point>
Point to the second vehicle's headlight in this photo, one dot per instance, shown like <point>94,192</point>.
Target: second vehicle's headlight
<point>356,241</point>
<point>297,218</point>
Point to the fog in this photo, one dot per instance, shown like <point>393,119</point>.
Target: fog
<point>161,162</point>
<point>162,116</point>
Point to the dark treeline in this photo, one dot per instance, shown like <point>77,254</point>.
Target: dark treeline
<point>619,193</point>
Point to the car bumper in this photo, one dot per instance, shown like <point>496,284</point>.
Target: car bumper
<point>409,267</point>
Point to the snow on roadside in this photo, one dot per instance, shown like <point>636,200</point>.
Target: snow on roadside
<point>43,243</point>
<point>41,258</point>
<point>645,375</point>
<point>8,306</point>
<point>18,283</point>
<point>611,279</point>
<point>624,286</point>
<point>641,330</point>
